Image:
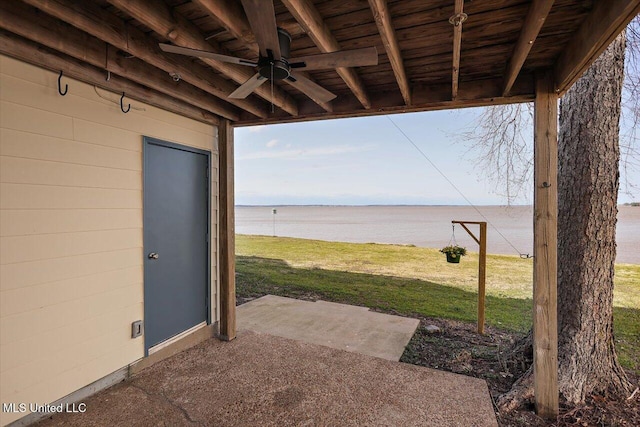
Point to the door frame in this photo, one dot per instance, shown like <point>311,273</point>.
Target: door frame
<point>147,141</point>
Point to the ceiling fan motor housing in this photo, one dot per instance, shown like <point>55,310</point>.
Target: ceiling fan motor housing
<point>277,69</point>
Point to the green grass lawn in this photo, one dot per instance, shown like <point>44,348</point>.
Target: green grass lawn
<point>416,281</point>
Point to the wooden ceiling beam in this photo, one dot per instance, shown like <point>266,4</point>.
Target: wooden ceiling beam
<point>19,48</point>
<point>48,31</point>
<point>457,44</point>
<point>111,29</point>
<point>231,16</point>
<point>537,15</point>
<point>425,98</point>
<point>388,34</point>
<point>158,16</point>
<point>310,19</point>
<point>600,27</point>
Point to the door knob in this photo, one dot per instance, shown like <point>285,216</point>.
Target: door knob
<point>153,255</point>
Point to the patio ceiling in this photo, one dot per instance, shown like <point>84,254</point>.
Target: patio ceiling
<point>424,62</point>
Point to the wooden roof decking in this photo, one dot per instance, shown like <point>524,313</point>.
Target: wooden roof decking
<point>503,43</point>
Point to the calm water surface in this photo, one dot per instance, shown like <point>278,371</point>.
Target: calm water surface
<point>427,226</point>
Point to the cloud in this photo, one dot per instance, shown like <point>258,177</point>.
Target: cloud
<point>272,143</point>
<point>256,129</point>
<point>302,153</point>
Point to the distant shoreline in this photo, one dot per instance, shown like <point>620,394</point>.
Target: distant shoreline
<point>509,231</point>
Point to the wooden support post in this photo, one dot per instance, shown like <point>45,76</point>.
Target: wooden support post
<point>482,276</point>
<point>227,233</point>
<point>482,266</point>
<point>545,248</point>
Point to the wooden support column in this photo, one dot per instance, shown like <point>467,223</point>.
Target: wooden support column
<point>545,248</point>
<point>482,276</point>
<point>227,233</point>
<point>482,266</point>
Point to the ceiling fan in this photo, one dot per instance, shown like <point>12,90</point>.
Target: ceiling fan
<point>274,64</point>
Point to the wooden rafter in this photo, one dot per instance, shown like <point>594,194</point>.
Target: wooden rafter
<point>231,16</point>
<point>57,35</point>
<point>388,34</point>
<point>457,42</point>
<point>170,24</point>
<point>425,98</point>
<point>17,47</point>
<point>576,34</point>
<point>536,16</point>
<point>233,19</point>
<point>111,29</point>
<point>310,19</point>
<point>604,23</point>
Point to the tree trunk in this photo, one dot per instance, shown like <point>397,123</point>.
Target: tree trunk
<point>588,180</point>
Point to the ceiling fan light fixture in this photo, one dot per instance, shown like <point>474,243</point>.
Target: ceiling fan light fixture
<point>275,62</point>
<point>277,69</point>
<point>284,38</point>
<point>274,69</point>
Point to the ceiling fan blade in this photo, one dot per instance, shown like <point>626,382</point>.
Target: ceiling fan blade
<point>247,87</point>
<point>204,54</point>
<point>262,18</point>
<point>344,58</point>
<point>311,89</point>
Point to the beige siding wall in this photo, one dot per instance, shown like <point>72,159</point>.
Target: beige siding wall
<point>71,248</point>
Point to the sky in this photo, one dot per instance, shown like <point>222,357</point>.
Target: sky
<point>368,161</point>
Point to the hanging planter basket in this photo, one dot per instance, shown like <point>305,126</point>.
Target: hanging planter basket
<point>454,253</point>
<point>453,258</point>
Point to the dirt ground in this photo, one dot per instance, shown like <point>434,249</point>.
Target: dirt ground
<point>459,348</point>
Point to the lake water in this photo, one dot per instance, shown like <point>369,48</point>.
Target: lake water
<point>427,226</point>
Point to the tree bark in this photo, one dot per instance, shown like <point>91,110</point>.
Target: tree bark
<point>588,181</point>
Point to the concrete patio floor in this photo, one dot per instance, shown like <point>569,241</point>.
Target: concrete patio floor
<point>340,326</point>
<point>264,380</point>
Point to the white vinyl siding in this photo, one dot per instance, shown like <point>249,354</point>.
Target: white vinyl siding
<point>71,245</point>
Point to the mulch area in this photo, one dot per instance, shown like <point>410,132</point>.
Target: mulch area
<point>459,348</point>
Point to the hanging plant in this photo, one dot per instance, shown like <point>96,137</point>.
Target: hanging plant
<point>453,253</point>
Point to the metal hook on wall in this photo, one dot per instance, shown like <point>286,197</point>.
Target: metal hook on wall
<point>66,86</point>
<point>122,104</point>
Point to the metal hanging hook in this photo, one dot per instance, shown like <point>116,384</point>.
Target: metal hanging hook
<point>66,86</point>
<point>122,104</point>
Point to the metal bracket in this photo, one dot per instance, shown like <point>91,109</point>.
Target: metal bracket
<point>137,329</point>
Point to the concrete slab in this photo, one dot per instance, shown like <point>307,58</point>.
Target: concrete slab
<point>263,380</point>
<point>340,326</point>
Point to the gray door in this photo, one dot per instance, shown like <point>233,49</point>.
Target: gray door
<point>176,248</point>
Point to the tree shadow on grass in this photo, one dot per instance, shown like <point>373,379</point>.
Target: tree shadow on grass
<point>257,276</point>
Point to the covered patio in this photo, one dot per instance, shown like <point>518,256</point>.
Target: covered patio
<point>264,380</point>
<point>88,154</point>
